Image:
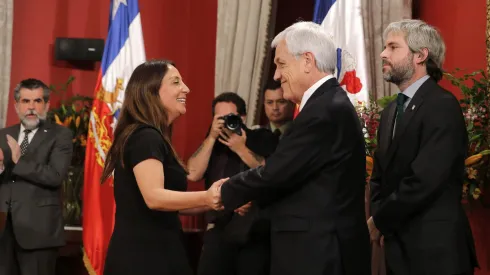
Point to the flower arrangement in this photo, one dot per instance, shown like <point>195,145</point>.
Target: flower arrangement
<point>73,113</point>
<point>369,116</point>
<point>475,104</point>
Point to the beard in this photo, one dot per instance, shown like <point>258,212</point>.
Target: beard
<point>400,72</point>
<point>31,123</point>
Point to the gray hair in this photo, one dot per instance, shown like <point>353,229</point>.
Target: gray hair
<point>31,84</point>
<point>419,35</point>
<point>304,37</point>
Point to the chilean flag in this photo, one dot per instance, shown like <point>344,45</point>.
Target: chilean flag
<point>342,19</point>
<point>124,50</point>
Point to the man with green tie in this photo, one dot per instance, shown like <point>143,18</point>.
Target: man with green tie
<point>417,179</point>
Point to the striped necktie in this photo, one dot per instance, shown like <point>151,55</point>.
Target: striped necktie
<point>25,142</point>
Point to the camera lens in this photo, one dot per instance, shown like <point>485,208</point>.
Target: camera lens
<point>232,124</point>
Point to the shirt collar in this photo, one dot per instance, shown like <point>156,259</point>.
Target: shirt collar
<point>282,128</point>
<point>312,89</point>
<point>22,128</point>
<point>412,89</point>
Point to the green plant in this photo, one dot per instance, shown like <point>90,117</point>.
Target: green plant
<point>73,113</point>
<point>384,101</point>
<point>475,104</point>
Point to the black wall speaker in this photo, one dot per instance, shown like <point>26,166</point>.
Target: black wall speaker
<point>83,49</point>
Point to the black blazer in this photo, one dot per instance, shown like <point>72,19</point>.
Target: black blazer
<point>416,186</point>
<point>32,186</point>
<point>314,183</point>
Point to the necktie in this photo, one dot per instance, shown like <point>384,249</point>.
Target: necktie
<point>277,133</point>
<point>25,142</point>
<point>400,101</point>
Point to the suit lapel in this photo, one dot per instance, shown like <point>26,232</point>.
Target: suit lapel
<point>41,133</point>
<point>329,84</point>
<point>387,135</point>
<point>408,114</point>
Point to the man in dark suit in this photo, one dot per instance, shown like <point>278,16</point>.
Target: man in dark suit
<point>418,175</point>
<point>314,182</point>
<point>34,158</point>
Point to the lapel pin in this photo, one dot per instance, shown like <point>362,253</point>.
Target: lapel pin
<point>413,107</point>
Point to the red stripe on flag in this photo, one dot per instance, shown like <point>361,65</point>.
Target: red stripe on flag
<point>98,199</point>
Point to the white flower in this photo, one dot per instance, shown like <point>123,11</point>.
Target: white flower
<point>366,135</point>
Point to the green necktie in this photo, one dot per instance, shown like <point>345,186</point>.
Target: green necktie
<point>400,101</point>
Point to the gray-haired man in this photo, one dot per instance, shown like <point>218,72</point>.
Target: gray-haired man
<point>417,180</point>
<point>34,159</point>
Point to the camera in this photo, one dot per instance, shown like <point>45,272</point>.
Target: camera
<point>233,123</point>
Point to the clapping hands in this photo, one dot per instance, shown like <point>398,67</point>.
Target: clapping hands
<point>14,147</point>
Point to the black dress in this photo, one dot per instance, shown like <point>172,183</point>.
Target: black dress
<point>146,241</point>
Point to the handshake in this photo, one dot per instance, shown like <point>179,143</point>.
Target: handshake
<point>213,198</point>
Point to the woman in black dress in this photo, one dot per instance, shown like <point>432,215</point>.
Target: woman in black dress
<point>149,178</point>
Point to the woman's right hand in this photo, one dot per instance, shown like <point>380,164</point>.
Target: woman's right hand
<point>213,195</point>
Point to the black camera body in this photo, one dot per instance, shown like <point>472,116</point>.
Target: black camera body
<point>233,123</point>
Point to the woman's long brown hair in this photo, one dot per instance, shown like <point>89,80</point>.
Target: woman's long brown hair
<point>141,106</point>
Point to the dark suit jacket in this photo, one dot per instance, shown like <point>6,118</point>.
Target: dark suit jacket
<point>32,186</point>
<point>417,183</point>
<point>314,183</point>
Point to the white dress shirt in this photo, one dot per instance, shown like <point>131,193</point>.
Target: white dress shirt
<point>412,89</point>
<point>312,89</point>
<point>22,134</point>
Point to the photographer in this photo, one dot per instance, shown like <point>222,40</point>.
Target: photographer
<point>234,243</point>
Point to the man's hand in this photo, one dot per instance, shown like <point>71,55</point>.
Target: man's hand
<point>243,209</point>
<point>373,231</point>
<point>15,148</point>
<point>235,142</point>
<point>213,195</point>
<point>216,127</point>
